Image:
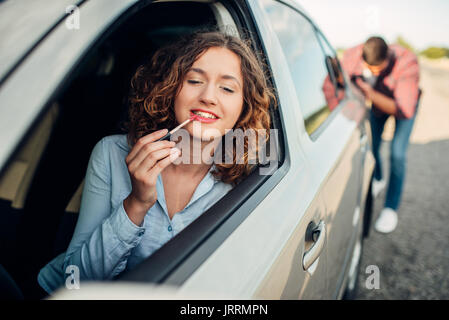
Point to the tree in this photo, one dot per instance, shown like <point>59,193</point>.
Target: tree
<point>403,43</point>
<point>435,52</point>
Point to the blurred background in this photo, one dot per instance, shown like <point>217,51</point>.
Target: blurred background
<point>414,259</point>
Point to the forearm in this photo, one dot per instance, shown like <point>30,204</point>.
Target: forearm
<point>104,235</point>
<point>382,102</point>
<point>105,252</point>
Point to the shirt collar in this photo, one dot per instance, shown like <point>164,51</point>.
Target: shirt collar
<point>202,189</point>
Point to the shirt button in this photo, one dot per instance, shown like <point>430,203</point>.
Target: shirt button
<point>141,233</point>
<point>170,228</point>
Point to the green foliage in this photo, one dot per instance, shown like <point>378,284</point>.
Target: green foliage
<point>435,52</point>
<point>403,43</point>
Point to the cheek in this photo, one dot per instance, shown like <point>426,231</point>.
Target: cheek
<point>236,110</point>
<point>177,109</point>
<point>179,99</point>
<point>180,103</point>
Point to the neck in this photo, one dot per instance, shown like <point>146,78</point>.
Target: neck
<point>197,157</point>
<point>190,170</point>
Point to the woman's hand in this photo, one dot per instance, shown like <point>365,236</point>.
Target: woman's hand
<point>146,160</point>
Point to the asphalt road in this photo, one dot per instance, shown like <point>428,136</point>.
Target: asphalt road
<point>413,260</point>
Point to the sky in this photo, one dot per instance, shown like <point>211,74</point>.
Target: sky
<point>346,23</point>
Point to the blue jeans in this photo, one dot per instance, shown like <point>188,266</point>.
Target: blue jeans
<point>398,154</point>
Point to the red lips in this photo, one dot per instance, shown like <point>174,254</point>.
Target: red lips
<point>203,119</point>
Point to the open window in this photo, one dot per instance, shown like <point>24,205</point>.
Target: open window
<point>40,205</point>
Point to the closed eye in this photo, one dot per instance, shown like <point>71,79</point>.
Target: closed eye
<point>193,81</point>
<point>228,89</point>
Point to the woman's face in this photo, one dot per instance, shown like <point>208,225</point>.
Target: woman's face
<point>212,90</point>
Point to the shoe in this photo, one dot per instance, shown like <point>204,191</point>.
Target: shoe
<point>387,221</point>
<point>377,186</point>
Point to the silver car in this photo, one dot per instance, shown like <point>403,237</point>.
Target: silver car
<point>293,229</point>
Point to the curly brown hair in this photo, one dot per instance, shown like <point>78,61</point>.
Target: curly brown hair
<point>156,84</point>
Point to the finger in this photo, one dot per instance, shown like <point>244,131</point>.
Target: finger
<point>153,158</point>
<point>146,150</point>
<point>144,140</point>
<point>162,164</point>
<point>362,83</point>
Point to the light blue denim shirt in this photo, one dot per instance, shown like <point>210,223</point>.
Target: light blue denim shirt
<point>106,241</point>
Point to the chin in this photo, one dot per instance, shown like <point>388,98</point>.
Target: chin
<point>205,137</point>
<point>204,131</point>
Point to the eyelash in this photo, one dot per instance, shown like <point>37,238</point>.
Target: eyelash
<point>193,81</point>
<point>228,90</point>
<point>198,82</point>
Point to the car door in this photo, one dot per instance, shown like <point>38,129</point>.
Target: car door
<point>332,122</point>
<point>290,36</point>
<point>345,187</point>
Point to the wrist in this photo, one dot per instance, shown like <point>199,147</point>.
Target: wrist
<point>135,209</point>
<point>369,94</point>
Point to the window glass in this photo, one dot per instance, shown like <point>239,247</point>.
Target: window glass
<point>307,63</point>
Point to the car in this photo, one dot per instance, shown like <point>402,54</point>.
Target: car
<point>293,229</point>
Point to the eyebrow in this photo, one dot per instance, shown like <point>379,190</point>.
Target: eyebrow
<point>225,76</point>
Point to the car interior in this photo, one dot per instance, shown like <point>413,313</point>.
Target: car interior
<point>40,189</point>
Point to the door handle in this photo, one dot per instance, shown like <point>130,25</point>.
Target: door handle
<point>363,142</point>
<point>319,239</point>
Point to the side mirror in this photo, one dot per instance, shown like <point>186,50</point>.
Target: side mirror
<point>330,71</point>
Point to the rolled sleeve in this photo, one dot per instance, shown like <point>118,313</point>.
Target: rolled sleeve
<point>124,228</point>
<point>104,236</point>
<point>406,93</point>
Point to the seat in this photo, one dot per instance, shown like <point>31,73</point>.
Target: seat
<point>15,184</point>
<point>68,222</point>
<point>8,287</point>
<point>16,181</point>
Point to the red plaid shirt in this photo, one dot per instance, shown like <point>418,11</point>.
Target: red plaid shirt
<point>399,81</point>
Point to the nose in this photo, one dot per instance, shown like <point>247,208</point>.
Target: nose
<point>208,96</point>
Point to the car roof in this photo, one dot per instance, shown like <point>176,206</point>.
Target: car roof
<point>296,4</point>
<point>23,24</point>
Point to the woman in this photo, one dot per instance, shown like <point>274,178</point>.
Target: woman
<point>135,197</point>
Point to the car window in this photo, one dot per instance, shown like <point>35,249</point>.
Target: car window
<point>307,63</point>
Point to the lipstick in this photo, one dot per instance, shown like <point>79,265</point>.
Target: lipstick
<point>168,135</point>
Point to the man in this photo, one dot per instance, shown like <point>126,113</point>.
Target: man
<point>388,76</point>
